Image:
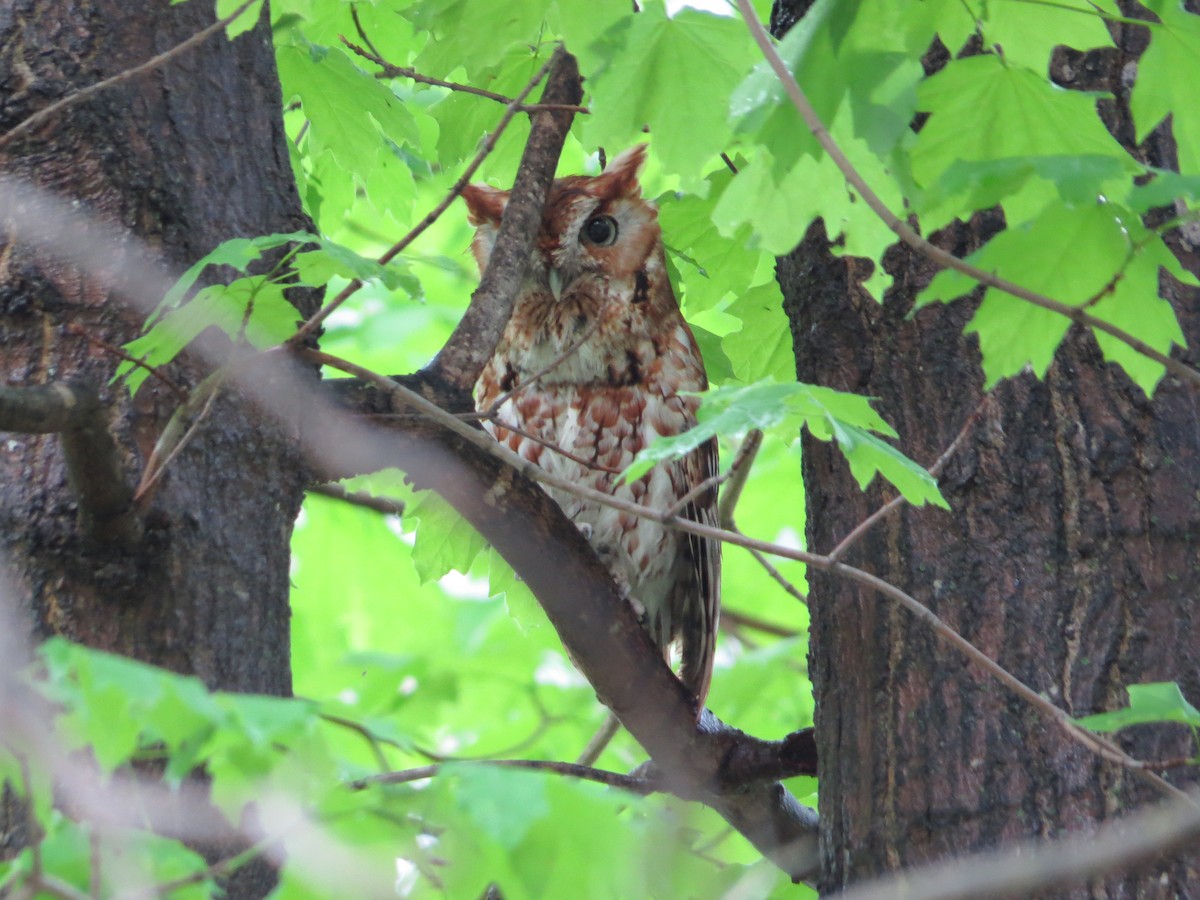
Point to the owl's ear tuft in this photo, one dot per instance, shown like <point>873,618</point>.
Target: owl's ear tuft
<point>620,179</point>
<point>485,205</point>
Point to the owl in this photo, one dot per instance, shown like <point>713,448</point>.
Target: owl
<point>594,364</point>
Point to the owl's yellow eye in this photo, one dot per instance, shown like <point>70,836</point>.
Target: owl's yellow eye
<point>600,230</point>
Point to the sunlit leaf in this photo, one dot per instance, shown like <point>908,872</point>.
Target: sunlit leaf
<point>1148,704</point>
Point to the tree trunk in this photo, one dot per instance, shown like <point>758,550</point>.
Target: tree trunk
<point>1070,557</point>
<point>182,157</point>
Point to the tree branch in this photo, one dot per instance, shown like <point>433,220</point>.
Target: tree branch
<point>513,468</point>
<point>74,410</point>
<point>712,763</point>
<point>474,340</point>
<point>631,783</point>
<point>1046,868</point>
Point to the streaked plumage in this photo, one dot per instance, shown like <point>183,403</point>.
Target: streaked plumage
<point>607,290</point>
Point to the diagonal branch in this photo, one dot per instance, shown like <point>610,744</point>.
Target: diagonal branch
<point>712,763</point>
<point>473,342</point>
<point>512,468</point>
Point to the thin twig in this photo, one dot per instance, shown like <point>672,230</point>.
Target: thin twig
<point>918,243</point>
<point>642,786</point>
<point>56,887</point>
<point>154,62</point>
<point>896,502</point>
<point>154,468</point>
<point>372,739</point>
<point>359,28</point>
<point>359,498</point>
<point>740,470</point>
<point>489,144</point>
<point>742,463</point>
<point>393,71</point>
<point>31,824</point>
<point>778,576</point>
<point>941,629</point>
<point>494,406</point>
<point>552,447</point>
<point>94,862</point>
<point>216,870</point>
<point>748,621</point>
<point>600,740</point>
<point>77,329</point>
<point>1048,868</point>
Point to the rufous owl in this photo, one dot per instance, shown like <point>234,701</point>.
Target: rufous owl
<point>591,367</point>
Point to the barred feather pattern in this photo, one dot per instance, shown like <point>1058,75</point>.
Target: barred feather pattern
<point>592,366</point>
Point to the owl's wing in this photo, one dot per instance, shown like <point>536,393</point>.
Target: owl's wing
<point>701,604</point>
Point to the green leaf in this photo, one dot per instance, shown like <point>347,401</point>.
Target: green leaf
<point>1148,704</point>
<point>760,107</point>
<point>713,266</point>
<point>869,455</point>
<point>780,205</point>
<point>445,540</point>
<point>244,22</point>
<point>640,85</point>
<point>762,348</point>
<point>474,34</point>
<point>969,186</point>
<point>1028,32</point>
<point>1165,188</point>
<point>119,705</point>
<point>784,408</point>
<point>251,308</point>
<point>1162,89</point>
<point>317,267</point>
<point>503,802</point>
<point>237,253</point>
<point>1108,270</point>
<point>519,601</point>
<point>1016,113</point>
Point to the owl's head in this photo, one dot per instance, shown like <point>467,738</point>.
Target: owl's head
<point>595,229</point>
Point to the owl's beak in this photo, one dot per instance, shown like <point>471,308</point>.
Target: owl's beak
<point>556,283</point>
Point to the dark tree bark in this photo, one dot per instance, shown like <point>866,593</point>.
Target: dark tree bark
<point>182,157</point>
<point>1070,557</point>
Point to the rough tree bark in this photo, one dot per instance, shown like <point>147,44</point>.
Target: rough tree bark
<point>183,157</point>
<point>1070,557</point>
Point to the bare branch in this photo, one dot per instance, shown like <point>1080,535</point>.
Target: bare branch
<point>154,62</point>
<point>119,353</point>
<point>739,471</point>
<point>359,498</point>
<point>1096,743</point>
<point>896,502</point>
<point>748,621</point>
<point>487,485</point>
<point>393,71</point>
<point>634,784</point>
<point>1047,868</point>
<point>600,740</point>
<point>94,466</point>
<point>1076,314</point>
<point>474,340</point>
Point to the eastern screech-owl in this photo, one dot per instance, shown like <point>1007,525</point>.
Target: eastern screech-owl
<point>597,309</point>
